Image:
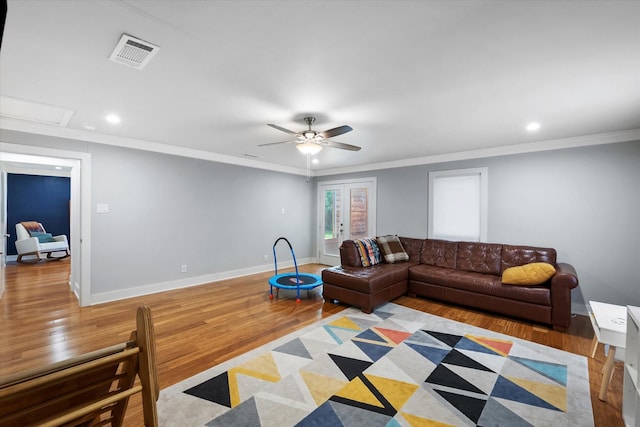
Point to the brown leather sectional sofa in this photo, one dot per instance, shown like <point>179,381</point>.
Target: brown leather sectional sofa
<point>465,273</point>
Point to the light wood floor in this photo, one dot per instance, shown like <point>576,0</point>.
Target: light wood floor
<point>199,327</point>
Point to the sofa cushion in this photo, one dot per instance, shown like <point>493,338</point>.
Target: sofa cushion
<point>366,280</point>
<point>440,253</point>
<point>391,249</point>
<point>513,256</point>
<point>479,257</point>
<point>429,273</point>
<point>480,283</point>
<point>413,248</point>
<point>369,251</point>
<point>534,273</point>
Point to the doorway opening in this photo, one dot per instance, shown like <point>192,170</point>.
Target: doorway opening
<point>346,210</point>
<point>79,166</point>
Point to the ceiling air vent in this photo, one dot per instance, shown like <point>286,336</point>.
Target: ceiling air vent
<point>133,52</point>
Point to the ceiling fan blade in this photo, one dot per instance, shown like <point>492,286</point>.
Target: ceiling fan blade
<point>275,143</point>
<point>336,131</point>
<point>281,128</point>
<point>341,145</point>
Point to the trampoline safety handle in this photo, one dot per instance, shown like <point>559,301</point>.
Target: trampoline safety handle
<point>292,254</point>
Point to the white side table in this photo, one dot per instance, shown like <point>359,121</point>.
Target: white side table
<point>610,326</point>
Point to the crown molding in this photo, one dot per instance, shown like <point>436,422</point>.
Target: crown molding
<point>140,144</point>
<point>506,150</point>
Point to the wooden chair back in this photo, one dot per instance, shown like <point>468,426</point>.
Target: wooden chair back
<point>91,389</point>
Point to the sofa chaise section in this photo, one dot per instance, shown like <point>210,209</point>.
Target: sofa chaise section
<point>368,287</point>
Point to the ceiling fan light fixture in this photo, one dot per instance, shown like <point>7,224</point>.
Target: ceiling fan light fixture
<point>309,148</point>
<point>309,134</point>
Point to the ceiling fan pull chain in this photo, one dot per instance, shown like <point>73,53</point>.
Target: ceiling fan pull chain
<point>308,167</point>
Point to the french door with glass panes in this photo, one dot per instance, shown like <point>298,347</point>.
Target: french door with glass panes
<point>346,210</point>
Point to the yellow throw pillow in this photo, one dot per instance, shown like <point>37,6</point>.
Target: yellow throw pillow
<point>528,274</point>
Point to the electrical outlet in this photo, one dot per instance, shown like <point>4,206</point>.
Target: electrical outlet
<point>266,258</point>
<point>183,269</point>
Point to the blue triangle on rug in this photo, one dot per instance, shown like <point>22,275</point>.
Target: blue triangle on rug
<point>467,344</point>
<point>433,354</point>
<point>369,334</point>
<point>374,351</point>
<point>506,389</point>
<point>383,314</point>
<point>324,415</point>
<point>553,371</point>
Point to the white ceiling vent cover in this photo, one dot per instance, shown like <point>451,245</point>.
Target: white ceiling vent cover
<point>133,52</point>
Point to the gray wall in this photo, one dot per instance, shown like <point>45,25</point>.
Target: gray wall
<point>166,211</point>
<point>585,202</point>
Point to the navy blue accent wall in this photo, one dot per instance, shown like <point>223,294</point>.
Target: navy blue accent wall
<point>37,198</point>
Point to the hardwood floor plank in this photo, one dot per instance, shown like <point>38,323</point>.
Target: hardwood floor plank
<point>202,326</point>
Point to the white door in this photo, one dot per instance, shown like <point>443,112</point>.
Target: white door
<point>346,210</point>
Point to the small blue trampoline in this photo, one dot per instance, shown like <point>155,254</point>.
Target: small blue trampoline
<point>291,281</point>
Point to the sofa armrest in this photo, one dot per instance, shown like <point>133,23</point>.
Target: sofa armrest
<point>565,276</point>
<point>349,255</point>
<point>562,282</point>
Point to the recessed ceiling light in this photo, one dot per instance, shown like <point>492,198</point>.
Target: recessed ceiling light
<point>112,118</point>
<point>533,126</point>
<point>314,161</point>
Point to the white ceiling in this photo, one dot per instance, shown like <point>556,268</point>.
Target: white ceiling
<point>413,78</point>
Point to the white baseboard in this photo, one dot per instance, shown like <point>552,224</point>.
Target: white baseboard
<point>75,288</point>
<point>153,288</point>
<point>31,258</point>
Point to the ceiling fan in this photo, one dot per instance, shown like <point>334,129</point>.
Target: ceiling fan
<point>311,142</point>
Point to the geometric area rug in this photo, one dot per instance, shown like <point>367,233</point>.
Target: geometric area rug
<point>394,367</point>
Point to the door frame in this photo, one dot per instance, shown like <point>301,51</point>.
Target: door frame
<point>371,212</point>
<point>80,206</point>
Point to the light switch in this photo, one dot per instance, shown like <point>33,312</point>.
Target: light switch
<point>102,208</point>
